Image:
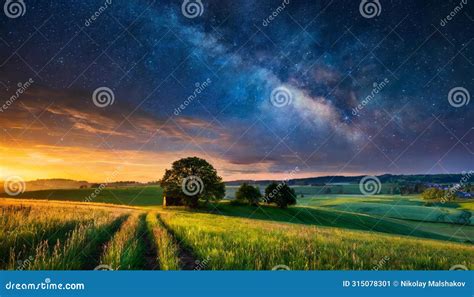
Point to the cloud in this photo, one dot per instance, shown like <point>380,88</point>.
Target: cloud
<point>52,133</point>
<point>58,113</point>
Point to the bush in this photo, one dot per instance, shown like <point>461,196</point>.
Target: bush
<point>280,194</point>
<point>248,194</point>
<point>433,194</point>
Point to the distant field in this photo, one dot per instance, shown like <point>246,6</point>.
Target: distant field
<point>139,196</point>
<point>401,207</point>
<point>242,244</point>
<point>321,216</point>
<point>346,189</point>
<point>393,214</point>
<point>46,235</point>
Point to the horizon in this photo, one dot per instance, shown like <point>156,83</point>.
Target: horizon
<point>240,180</point>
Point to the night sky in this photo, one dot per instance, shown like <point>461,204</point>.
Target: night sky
<point>258,88</point>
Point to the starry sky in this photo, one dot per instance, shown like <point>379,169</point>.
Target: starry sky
<point>261,89</point>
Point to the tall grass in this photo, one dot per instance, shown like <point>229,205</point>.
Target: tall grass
<point>243,244</point>
<point>79,249</point>
<point>64,237</point>
<point>125,250</point>
<point>23,228</point>
<point>167,249</point>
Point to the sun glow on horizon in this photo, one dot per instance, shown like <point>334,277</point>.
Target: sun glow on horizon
<point>93,165</point>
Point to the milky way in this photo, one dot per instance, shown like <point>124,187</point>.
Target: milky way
<point>257,87</point>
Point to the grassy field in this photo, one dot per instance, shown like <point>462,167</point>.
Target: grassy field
<point>235,243</point>
<point>139,238</point>
<point>394,214</point>
<point>166,246</point>
<point>57,237</point>
<point>401,207</point>
<point>127,229</point>
<point>139,196</point>
<point>344,219</point>
<point>124,251</point>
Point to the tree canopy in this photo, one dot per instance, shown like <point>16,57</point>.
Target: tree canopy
<point>190,180</point>
<point>248,194</point>
<point>280,194</point>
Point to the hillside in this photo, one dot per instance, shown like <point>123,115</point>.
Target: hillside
<point>385,178</point>
<point>128,238</point>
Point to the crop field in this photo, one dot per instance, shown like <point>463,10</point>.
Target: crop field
<point>139,196</point>
<point>45,235</point>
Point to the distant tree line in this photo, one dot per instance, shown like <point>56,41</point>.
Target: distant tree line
<point>279,194</point>
<point>384,179</point>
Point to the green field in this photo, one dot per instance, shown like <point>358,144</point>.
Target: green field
<point>93,235</point>
<point>133,231</point>
<point>401,207</point>
<point>139,196</point>
<point>349,220</point>
<point>242,244</point>
<point>394,214</point>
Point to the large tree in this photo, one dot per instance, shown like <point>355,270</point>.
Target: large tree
<point>190,180</point>
<point>280,194</point>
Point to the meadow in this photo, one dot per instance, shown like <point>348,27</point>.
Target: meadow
<point>139,196</point>
<point>127,229</point>
<point>245,244</point>
<point>41,235</point>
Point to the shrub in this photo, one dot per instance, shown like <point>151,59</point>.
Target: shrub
<point>248,194</point>
<point>280,194</point>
